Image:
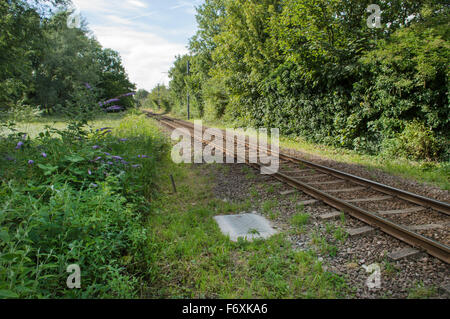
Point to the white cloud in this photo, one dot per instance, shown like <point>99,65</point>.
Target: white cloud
<point>137,3</point>
<point>145,55</point>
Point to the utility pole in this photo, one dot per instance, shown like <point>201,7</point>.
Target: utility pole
<point>188,97</point>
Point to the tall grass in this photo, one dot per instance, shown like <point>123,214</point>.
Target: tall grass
<point>78,196</point>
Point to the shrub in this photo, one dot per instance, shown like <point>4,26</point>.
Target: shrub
<point>78,196</point>
<point>416,142</point>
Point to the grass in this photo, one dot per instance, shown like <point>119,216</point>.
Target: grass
<point>79,204</point>
<point>193,259</point>
<point>437,174</point>
<point>422,292</point>
<point>33,128</point>
<point>300,219</point>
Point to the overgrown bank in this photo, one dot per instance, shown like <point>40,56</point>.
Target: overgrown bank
<point>82,196</point>
<point>316,70</point>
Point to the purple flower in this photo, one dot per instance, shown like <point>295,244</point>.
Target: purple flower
<point>110,101</point>
<point>137,166</point>
<point>110,163</point>
<point>123,140</point>
<point>142,156</point>
<point>114,108</point>
<point>44,155</point>
<point>89,172</point>
<point>100,103</point>
<point>31,162</point>
<point>125,162</point>
<point>88,86</point>
<point>107,132</point>
<point>128,94</point>
<point>94,185</point>
<point>106,153</point>
<point>117,158</point>
<point>19,145</point>
<point>24,137</point>
<point>105,128</point>
<point>95,147</point>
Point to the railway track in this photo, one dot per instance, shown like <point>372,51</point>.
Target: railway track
<point>416,220</point>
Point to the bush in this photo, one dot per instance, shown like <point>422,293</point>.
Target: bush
<point>78,196</point>
<point>21,112</point>
<point>415,142</point>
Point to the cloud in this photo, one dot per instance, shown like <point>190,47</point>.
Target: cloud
<point>147,46</point>
<point>137,3</point>
<point>145,55</point>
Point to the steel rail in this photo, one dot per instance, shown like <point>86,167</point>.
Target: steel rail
<point>433,247</point>
<point>426,202</point>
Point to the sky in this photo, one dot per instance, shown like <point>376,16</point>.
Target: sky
<point>148,34</point>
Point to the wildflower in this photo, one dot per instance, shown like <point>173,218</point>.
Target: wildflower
<point>95,147</point>
<point>106,132</point>
<point>123,140</point>
<point>24,137</point>
<point>110,101</point>
<point>128,94</point>
<point>97,158</point>
<point>125,162</point>
<point>94,185</point>
<point>137,166</point>
<point>117,158</point>
<point>44,155</point>
<point>114,108</point>
<point>105,128</point>
<point>142,156</point>
<point>106,153</point>
<point>110,163</point>
<point>19,145</point>
<point>88,86</point>
<point>89,172</point>
<point>31,162</point>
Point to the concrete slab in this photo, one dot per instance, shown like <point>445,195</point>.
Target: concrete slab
<point>345,190</point>
<point>402,211</point>
<point>403,253</point>
<point>332,215</point>
<point>327,183</point>
<point>245,226</point>
<point>308,202</point>
<point>362,231</point>
<point>288,192</point>
<point>424,227</point>
<point>371,199</point>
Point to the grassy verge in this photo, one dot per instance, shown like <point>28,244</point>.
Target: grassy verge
<point>437,174</point>
<point>103,200</point>
<point>78,196</point>
<point>192,259</point>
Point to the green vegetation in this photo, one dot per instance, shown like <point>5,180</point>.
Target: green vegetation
<point>315,70</point>
<point>47,67</point>
<point>192,259</point>
<point>78,196</point>
<point>300,219</point>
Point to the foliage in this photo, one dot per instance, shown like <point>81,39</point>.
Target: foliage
<point>78,196</point>
<point>315,69</point>
<point>45,63</point>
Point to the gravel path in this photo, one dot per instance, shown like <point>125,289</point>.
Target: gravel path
<point>414,277</point>
<point>375,175</point>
